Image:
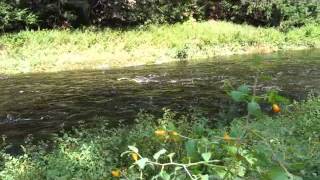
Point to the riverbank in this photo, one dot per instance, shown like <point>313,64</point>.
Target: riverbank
<point>270,147</point>
<point>90,48</point>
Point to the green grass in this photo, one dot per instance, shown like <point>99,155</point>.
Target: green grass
<point>267,148</point>
<point>90,48</point>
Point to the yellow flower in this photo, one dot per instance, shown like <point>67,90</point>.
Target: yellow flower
<point>160,132</point>
<point>174,133</point>
<point>134,156</point>
<point>226,137</point>
<point>116,173</point>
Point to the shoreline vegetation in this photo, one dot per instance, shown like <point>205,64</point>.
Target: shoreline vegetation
<point>90,48</point>
<point>279,147</point>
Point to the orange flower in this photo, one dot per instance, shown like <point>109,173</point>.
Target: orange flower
<point>160,132</point>
<point>276,108</point>
<point>116,173</point>
<point>134,156</point>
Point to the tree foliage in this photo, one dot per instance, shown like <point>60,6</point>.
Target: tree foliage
<point>279,13</point>
<point>15,18</point>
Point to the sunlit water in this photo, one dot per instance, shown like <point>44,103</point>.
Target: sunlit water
<point>40,104</point>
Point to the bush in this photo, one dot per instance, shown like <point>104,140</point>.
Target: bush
<point>266,148</point>
<point>12,18</point>
<point>283,13</point>
<point>155,11</point>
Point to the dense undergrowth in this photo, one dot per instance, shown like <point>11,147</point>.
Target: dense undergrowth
<point>277,148</point>
<point>92,48</point>
<point>284,14</point>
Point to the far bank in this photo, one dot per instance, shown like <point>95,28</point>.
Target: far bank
<point>91,48</point>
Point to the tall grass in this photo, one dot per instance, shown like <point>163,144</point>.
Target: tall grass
<point>91,48</point>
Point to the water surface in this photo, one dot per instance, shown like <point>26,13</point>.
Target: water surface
<point>40,104</point>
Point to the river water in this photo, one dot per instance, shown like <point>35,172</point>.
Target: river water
<point>40,104</point>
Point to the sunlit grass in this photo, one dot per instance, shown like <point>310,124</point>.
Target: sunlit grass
<point>90,48</point>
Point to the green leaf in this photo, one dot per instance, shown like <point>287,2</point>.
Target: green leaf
<point>205,177</point>
<point>142,162</point>
<point>164,175</point>
<point>191,148</point>
<point>221,172</point>
<point>238,96</point>
<point>254,108</point>
<point>159,153</point>
<point>134,149</point>
<point>171,126</point>
<point>277,173</point>
<point>274,97</point>
<point>244,89</point>
<point>233,150</point>
<point>241,170</point>
<point>206,156</point>
<point>178,168</point>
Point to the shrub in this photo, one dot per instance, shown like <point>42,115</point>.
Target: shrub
<point>12,18</point>
<point>156,11</point>
<point>266,148</point>
<point>283,13</point>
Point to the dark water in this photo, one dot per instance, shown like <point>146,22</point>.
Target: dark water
<point>43,103</point>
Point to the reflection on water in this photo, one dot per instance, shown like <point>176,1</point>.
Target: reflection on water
<point>42,103</point>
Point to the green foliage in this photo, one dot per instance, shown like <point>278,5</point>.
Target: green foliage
<point>12,18</point>
<point>243,94</point>
<point>91,48</point>
<point>285,14</point>
<point>269,148</point>
<point>149,11</point>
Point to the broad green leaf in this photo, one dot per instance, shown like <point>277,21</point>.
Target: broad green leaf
<point>238,96</point>
<point>178,168</point>
<point>171,126</point>
<point>221,172</point>
<point>164,175</point>
<point>134,149</point>
<point>142,162</point>
<point>159,153</point>
<point>206,156</point>
<point>241,170</point>
<point>274,97</point>
<point>205,177</point>
<point>244,89</point>
<point>232,150</point>
<point>277,173</point>
<point>254,108</point>
<point>191,148</point>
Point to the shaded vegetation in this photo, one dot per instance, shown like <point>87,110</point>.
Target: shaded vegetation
<point>282,147</point>
<point>280,13</point>
<point>12,18</point>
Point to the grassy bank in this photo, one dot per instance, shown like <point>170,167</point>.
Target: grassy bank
<point>267,148</point>
<point>58,50</point>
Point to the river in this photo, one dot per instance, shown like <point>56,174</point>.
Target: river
<point>44,103</point>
